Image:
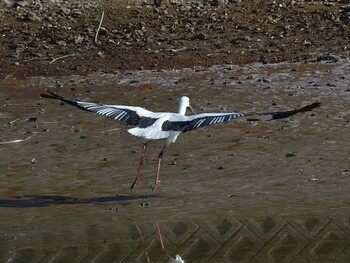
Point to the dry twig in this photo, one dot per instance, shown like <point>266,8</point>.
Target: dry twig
<point>52,61</point>
<point>15,141</point>
<point>99,26</point>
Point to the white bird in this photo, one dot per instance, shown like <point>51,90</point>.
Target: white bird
<point>177,259</point>
<point>167,125</point>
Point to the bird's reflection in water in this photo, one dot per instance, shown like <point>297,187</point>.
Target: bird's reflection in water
<point>108,237</point>
<point>177,258</point>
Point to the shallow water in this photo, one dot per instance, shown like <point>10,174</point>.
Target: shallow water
<point>240,192</point>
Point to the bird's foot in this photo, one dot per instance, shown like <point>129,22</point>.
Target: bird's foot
<point>154,187</point>
<point>133,185</point>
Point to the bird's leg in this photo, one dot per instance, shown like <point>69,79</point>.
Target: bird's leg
<point>137,179</point>
<point>160,156</point>
<point>160,237</point>
<point>143,243</point>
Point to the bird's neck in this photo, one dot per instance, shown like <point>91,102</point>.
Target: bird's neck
<point>182,110</point>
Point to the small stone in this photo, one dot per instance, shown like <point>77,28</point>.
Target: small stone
<point>201,36</point>
<point>330,58</point>
<point>62,43</point>
<point>290,155</point>
<point>7,2</point>
<point>30,17</point>
<point>20,3</point>
<point>307,43</point>
<point>345,173</point>
<point>32,119</point>
<point>114,209</point>
<point>103,32</point>
<point>33,161</point>
<point>76,13</point>
<point>65,11</point>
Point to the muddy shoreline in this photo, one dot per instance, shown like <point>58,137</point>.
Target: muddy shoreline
<point>57,39</point>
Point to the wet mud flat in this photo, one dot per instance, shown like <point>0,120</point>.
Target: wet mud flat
<point>239,192</point>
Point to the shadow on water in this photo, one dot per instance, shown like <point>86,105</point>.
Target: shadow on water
<point>45,200</point>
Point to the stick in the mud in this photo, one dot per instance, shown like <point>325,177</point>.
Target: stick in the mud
<point>52,61</point>
<point>99,26</point>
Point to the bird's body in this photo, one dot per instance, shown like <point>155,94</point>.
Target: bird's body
<point>167,125</point>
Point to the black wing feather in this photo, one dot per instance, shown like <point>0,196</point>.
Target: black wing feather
<point>121,115</point>
<point>202,121</point>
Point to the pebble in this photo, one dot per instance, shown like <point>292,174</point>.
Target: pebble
<point>30,17</point>
<point>201,36</point>
<point>32,119</point>
<point>114,209</point>
<point>290,155</point>
<point>20,3</point>
<point>313,179</point>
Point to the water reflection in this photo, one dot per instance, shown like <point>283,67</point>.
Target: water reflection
<point>177,258</point>
<point>225,239</point>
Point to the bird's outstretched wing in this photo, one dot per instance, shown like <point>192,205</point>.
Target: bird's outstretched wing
<point>192,122</point>
<point>126,115</point>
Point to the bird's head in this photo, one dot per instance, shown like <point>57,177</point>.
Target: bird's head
<point>184,103</point>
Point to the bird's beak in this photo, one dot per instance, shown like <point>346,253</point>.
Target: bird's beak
<point>192,110</point>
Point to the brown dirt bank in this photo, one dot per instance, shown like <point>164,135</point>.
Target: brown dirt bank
<point>136,36</point>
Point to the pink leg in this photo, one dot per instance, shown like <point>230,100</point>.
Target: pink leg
<point>160,237</point>
<point>137,179</point>
<point>143,243</point>
<point>160,156</point>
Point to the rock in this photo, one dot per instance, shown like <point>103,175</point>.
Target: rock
<point>219,2</point>
<point>65,11</point>
<point>201,36</point>
<point>330,58</point>
<point>103,32</point>
<point>20,3</point>
<point>30,17</point>
<point>7,2</point>
<point>32,119</point>
<point>114,209</point>
<point>290,155</point>
<point>307,43</point>
<point>78,39</point>
<point>17,48</point>
<point>76,13</point>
